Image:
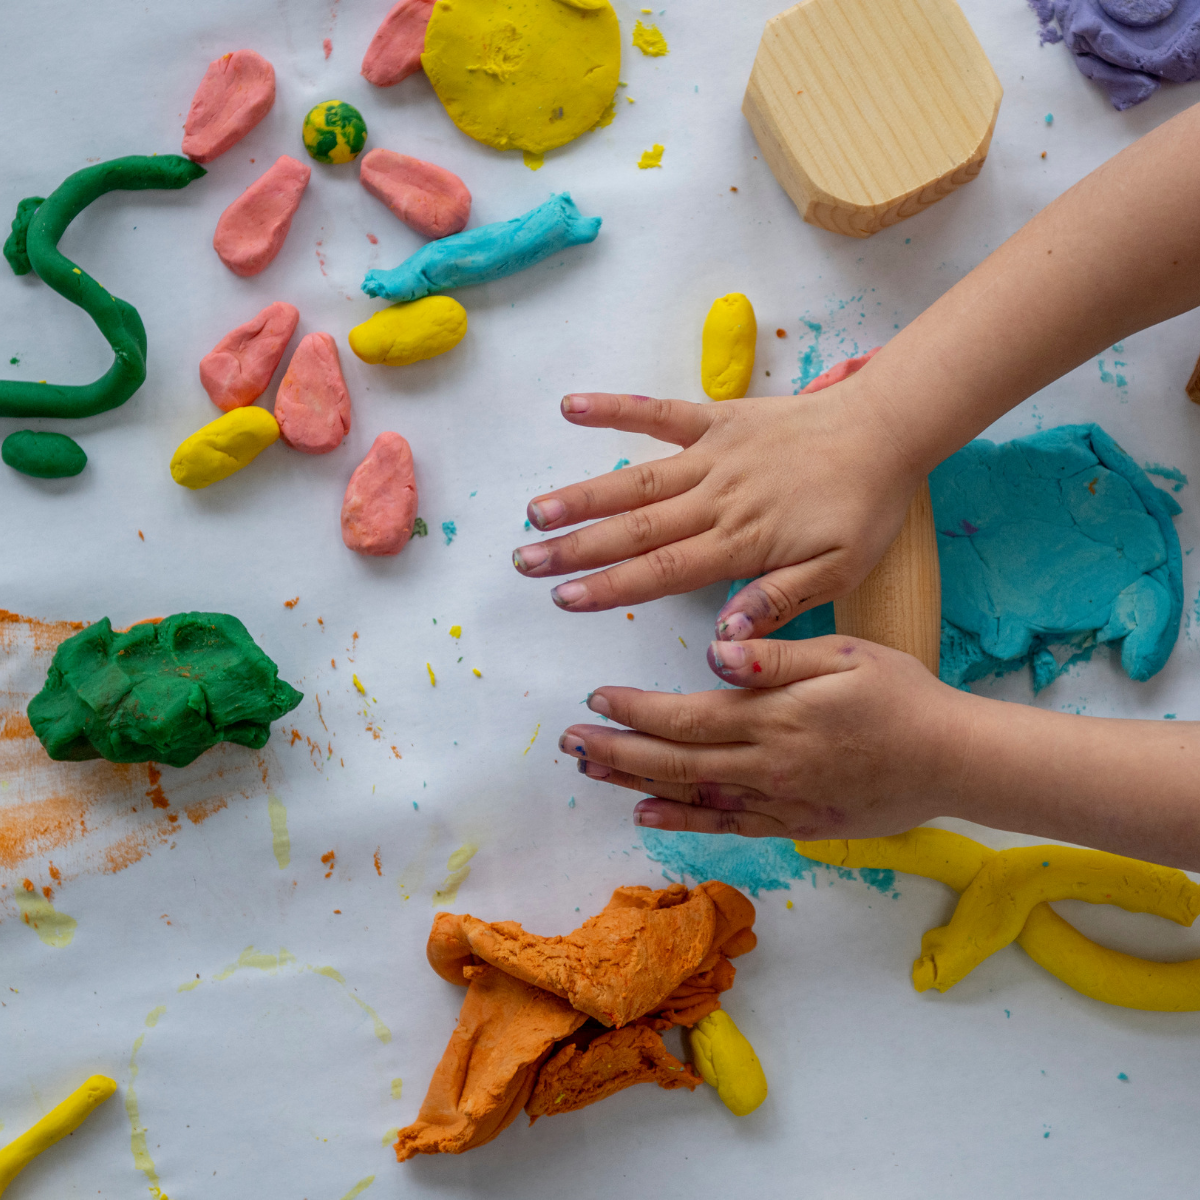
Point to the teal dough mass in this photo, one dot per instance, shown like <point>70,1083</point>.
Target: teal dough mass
<point>1056,539</point>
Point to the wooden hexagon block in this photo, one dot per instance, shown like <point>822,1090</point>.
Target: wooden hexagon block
<point>868,111</point>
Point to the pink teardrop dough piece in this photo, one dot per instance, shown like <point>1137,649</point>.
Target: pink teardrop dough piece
<point>395,50</point>
<point>430,199</point>
<point>313,405</point>
<point>237,91</point>
<point>252,230</point>
<point>237,370</point>
<point>381,499</point>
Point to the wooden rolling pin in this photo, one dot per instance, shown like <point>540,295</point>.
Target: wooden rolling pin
<point>900,603</point>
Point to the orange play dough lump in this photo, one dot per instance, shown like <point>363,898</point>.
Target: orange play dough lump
<point>237,370</point>
<point>313,405</point>
<point>252,229</point>
<point>381,499</point>
<point>237,91</point>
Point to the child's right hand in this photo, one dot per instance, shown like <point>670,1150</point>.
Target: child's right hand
<point>807,491</point>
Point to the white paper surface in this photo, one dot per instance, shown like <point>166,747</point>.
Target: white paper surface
<point>276,1082</point>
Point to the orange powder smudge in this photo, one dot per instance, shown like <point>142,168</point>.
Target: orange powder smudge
<point>291,603</point>
<point>397,752</point>
<point>372,239</point>
<point>328,46</point>
<point>328,859</point>
<point>378,864</point>
<point>155,793</point>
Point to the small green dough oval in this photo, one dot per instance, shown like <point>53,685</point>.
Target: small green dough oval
<point>726,1061</point>
<point>43,455</point>
<point>727,347</point>
<point>408,333</point>
<point>334,132</point>
<point>218,449</point>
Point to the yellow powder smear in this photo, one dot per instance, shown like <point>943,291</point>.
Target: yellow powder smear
<point>459,867</point>
<point>281,843</point>
<point>53,928</point>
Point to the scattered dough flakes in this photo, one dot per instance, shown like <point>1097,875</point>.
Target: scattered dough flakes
<point>649,40</point>
<point>651,158</point>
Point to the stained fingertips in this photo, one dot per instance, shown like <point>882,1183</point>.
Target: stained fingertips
<point>576,404</point>
<point>572,744</point>
<point>570,595</point>
<point>724,657</point>
<point>543,513</point>
<point>530,560</point>
<point>734,627</point>
<point>593,770</point>
<point>598,704</point>
<point>648,814</point>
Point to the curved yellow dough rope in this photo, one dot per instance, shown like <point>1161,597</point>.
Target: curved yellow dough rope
<point>1004,898</point>
<point>64,1118</point>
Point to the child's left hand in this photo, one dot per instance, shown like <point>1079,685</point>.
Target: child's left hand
<point>831,737</point>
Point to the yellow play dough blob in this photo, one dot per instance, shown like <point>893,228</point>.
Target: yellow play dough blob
<point>649,40</point>
<point>407,333</point>
<point>56,1124</point>
<point>223,446</point>
<point>1053,943</point>
<point>523,74</point>
<point>651,158</point>
<point>727,347</point>
<point>726,1061</point>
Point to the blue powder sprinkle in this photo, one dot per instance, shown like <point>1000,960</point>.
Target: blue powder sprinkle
<point>621,462</point>
<point>1046,1135</point>
<point>907,241</point>
<point>1049,118</point>
<point>1107,376</point>
<point>528,526</point>
<point>812,363</point>
<point>449,531</point>
<point>415,806</point>
<point>1172,473</point>
<point>1168,716</point>
<point>571,802</point>
<point>1122,1077</point>
<point>474,494</point>
<point>1007,1013</point>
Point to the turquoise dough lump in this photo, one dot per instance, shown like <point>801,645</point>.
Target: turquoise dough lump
<point>43,455</point>
<point>162,692</point>
<point>487,253</point>
<point>1056,539</point>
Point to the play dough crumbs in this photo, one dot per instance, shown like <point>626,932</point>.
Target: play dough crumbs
<point>223,446</point>
<point>456,631</point>
<point>432,676</point>
<point>477,672</point>
<point>362,691</point>
<point>649,40</point>
<point>651,158</point>
<point>535,162</point>
<point>291,603</point>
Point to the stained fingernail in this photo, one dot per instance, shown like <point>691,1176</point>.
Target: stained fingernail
<point>572,746</point>
<point>529,558</point>
<point>734,628</point>
<point>543,513</point>
<point>568,593</point>
<point>598,704</point>
<point>594,770</point>
<point>647,818</point>
<point>575,404</point>
<point>727,656</point>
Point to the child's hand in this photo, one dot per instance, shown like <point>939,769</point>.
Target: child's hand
<point>838,738</point>
<point>811,489</point>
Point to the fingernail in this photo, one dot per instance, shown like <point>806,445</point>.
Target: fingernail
<point>594,770</point>
<point>598,704</point>
<point>568,593</point>
<point>543,513</point>
<point>734,628</point>
<point>727,656</point>
<point>575,404</point>
<point>572,746</point>
<point>648,818</point>
<point>529,558</point>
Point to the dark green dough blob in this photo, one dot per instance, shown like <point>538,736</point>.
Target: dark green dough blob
<point>34,241</point>
<point>43,455</point>
<point>159,693</point>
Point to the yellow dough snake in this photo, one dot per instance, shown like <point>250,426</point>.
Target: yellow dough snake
<point>1004,897</point>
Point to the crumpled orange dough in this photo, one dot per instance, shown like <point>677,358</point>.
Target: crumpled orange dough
<point>658,957</point>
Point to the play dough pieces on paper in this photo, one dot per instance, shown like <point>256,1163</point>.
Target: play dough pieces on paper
<point>334,132</point>
<point>237,91</point>
<point>252,230</point>
<point>727,347</point>
<point>525,74</point>
<point>395,50</point>
<point>237,370</point>
<point>313,405</point>
<point>381,500</point>
<point>223,446</point>
<point>408,333</point>
<point>428,198</point>
<point>43,455</point>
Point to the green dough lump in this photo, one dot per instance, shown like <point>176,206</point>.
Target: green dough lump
<point>161,692</point>
<point>43,455</point>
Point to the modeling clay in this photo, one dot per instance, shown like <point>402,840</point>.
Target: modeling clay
<point>223,446</point>
<point>161,691</point>
<point>649,40</point>
<point>726,1061</point>
<point>312,405</point>
<point>252,229</point>
<point>487,253</point>
<point>395,50</point>
<point>61,1120</point>
<point>430,199</point>
<point>43,455</point>
<point>334,132</point>
<point>237,370</point>
<point>727,347</point>
<point>380,507</point>
<point>34,245</point>
<point>408,333</point>
<point>237,91</point>
<point>626,964</point>
<point>1058,947</point>
<point>526,75</point>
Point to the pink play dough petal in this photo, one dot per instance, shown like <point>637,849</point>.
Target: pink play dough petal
<point>237,370</point>
<point>252,229</point>
<point>381,499</point>
<point>237,91</point>
<point>430,199</point>
<point>312,405</point>
<point>395,50</point>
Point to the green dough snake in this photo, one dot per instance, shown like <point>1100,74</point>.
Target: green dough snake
<point>33,245</point>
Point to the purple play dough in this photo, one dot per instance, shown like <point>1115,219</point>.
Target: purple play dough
<point>1128,61</point>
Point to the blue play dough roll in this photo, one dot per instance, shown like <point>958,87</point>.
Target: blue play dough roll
<point>487,253</point>
<point>1056,539</point>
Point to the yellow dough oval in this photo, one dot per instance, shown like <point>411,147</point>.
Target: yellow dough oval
<point>523,74</point>
<point>408,333</point>
<point>727,346</point>
<point>223,446</point>
<point>726,1061</point>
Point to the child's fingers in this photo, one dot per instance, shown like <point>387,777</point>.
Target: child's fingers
<point>671,569</point>
<point>770,602</point>
<point>653,813</point>
<point>615,492</point>
<point>677,421</point>
<point>707,717</point>
<point>651,758</point>
<point>772,662</point>
<point>612,540</point>
<point>728,796</point>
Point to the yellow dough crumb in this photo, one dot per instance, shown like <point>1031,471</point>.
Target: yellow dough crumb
<point>477,672</point>
<point>223,446</point>
<point>726,1061</point>
<point>649,40</point>
<point>456,631</point>
<point>362,691</point>
<point>527,74</point>
<point>408,333</point>
<point>535,162</point>
<point>650,158</point>
<point>61,1120</point>
<point>432,676</point>
<point>727,347</point>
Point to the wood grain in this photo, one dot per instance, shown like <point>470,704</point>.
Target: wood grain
<point>868,111</point>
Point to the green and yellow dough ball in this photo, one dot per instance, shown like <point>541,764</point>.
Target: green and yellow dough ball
<point>334,132</point>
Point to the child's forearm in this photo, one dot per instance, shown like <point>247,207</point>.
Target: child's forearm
<point>1116,253</point>
<point>1132,787</point>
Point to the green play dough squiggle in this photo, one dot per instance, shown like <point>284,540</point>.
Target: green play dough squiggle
<point>37,229</point>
